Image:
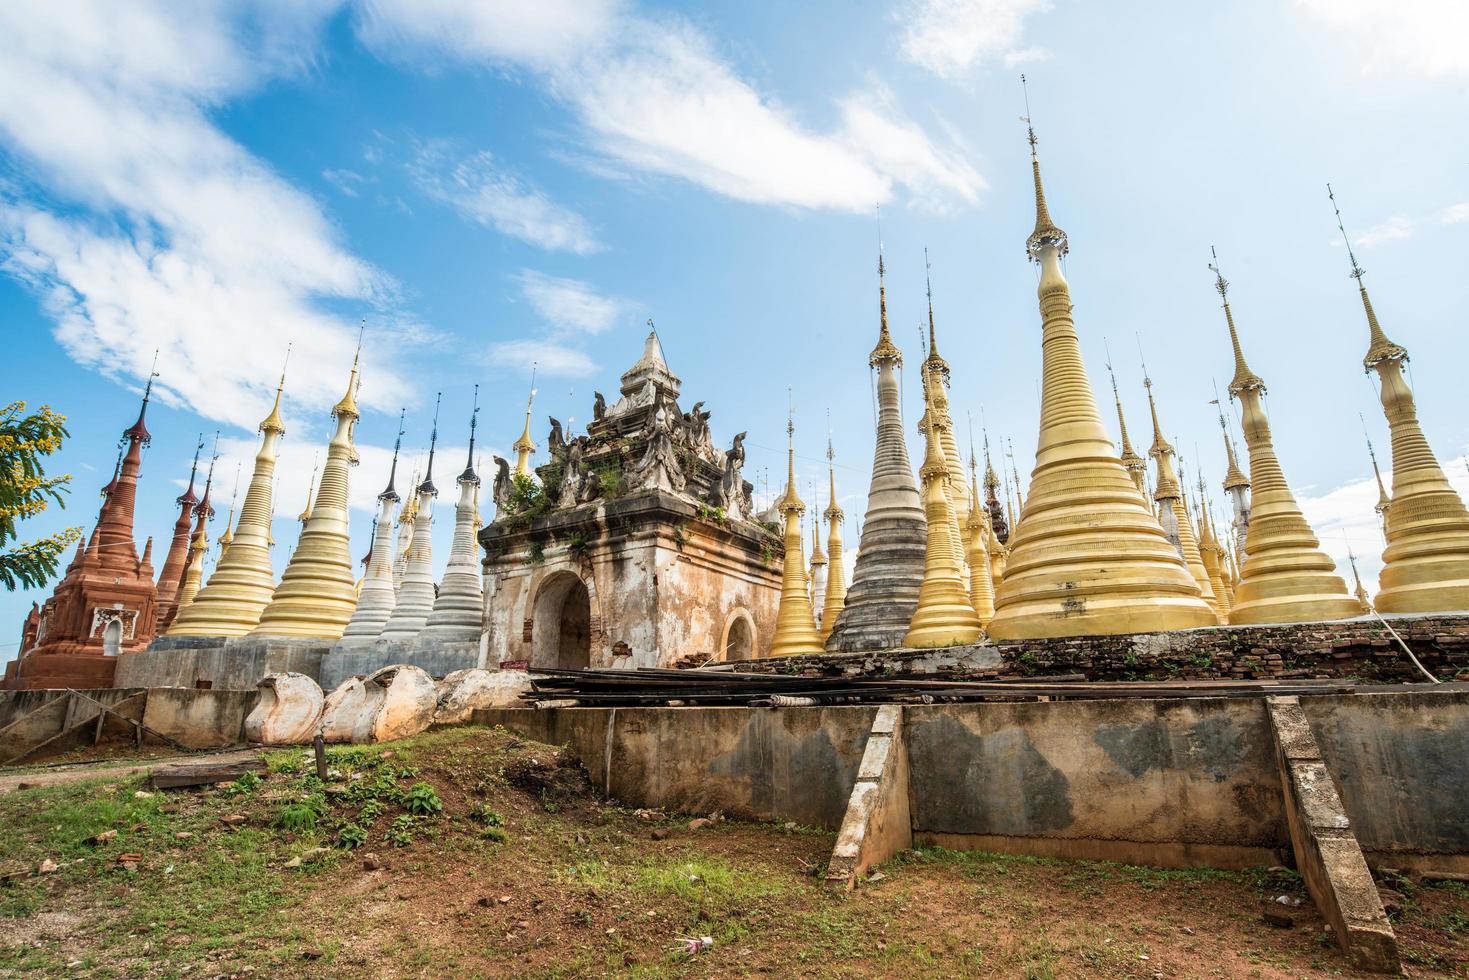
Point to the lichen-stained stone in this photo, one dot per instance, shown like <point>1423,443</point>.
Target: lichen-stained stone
<point>406,704</point>
<point>288,710</point>
<point>463,691</point>
<point>348,712</point>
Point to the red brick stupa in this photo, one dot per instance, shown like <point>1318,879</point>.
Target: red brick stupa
<point>106,603</point>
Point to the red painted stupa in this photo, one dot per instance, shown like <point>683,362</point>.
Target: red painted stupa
<point>106,603</point>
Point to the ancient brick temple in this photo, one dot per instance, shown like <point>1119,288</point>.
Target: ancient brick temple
<point>638,548</point>
<point>106,603</point>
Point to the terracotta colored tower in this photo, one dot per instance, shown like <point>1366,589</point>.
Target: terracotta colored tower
<point>1087,557</point>
<point>106,602</point>
<point>172,575</point>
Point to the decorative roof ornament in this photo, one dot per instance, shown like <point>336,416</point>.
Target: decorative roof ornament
<point>138,431</point>
<point>1379,347</point>
<point>933,362</point>
<point>1243,378</point>
<point>469,474</point>
<point>1234,477</point>
<point>389,492</point>
<point>886,352</point>
<point>273,421</point>
<point>1047,232</point>
<point>427,486</point>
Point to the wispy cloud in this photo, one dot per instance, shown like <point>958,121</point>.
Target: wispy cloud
<point>484,191</point>
<point>549,356</point>
<point>165,232</point>
<point>1408,37</point>
<point>569,304</point>
<point>950,37</point>
<point>1402,226</point>
<point>349,182</point>
<point>1455,213</point>
<point>656,97</point>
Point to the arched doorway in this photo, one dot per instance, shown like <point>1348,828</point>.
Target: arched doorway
<point>112,638</point>
<point>561,627</point>
<point>739,637</point>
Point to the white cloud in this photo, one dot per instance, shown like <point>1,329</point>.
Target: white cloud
<point>1417,37</point>
<point>949,37</point>
<point>569,304</point>
<point>550,358</point>
<point>873,123</point>
<point>167,233</point>
<point>1393,229</point>
<point>485,192</point>
<point>346,181</point>
<point>655,96</point>
<point>1455,213</point>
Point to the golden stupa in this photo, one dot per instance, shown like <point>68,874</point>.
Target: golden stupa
<point>944,616</point>
<point>1236,486</point>
<point>318,590</point>
<point>1087,556</point>
<point>525,445</point>
<point>1286,578</point>
<point>836,574</point>
<point>1212,554</point>
<point>1426,562</point>
<point>816,575</point>
<point>936,370</point>
<point>232,600</point>
<point>979,530</point>
<point>795,622</point>
<point>1173,509</point>
<point>1383,500</point>
<point>1135,465</point>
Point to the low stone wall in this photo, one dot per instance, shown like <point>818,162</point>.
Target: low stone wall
<point>199,719</point>
<point>1355,648</point>
<point>1173,782</point>
<point>438,657</point>
<point>235,664</point>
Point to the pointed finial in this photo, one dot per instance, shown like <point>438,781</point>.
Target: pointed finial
<point>469,475</point>
<point>310,489</point>
<point>273,422</point>
<point>886,352</point>
<point>390,492</point>
<point>1379,347</point>
<point>1244,379</point>
<point>1234,477</point>
<point>1046,233</point>
<point>934,361</point>
<point>427,486</point>
<point>1383,498</point>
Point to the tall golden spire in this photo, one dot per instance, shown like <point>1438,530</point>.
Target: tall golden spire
<point>228,537</point>
<point>886,352</point>
<point>237,593</point>
<point>1212,553</point>
<point>1286,578</point>
<point>1383,500</point>
<point>525,445</point>
<point>795,622</point>
<point>1087,557</point>
<point>318,589</point>
<point>1236,485</point>
<point>305,514</point>
<point>1135,465</point>
<point>1173,506</point>
<point>944,616</point>
<point>1426,562</point>
<point>836,575</point>
<point>979,531</point>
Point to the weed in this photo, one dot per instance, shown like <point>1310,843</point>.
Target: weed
<point>486,816</point>
<point>248,783</point>
<point>300,816</point>
<point>423,801</point>
<point>351,836</point>
<point>496,834</point>
<point>400,833</point>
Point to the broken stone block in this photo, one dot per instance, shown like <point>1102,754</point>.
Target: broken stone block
<point>406,703</point>
<point>463,691</point>
<point>346,715</point>
<point>287,712</point>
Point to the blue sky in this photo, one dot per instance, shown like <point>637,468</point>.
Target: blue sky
<point>489,184</point>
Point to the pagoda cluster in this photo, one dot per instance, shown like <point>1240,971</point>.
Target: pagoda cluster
<point>108,602</point>
<point>1100,544</point>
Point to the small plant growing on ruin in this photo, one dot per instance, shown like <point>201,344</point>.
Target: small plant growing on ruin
<point>535,554</point>
<point>713,515</point>
<point>247,783</point>
<point>301,816</point>
<point>423,800</point>
<point>351,837</point>
<point>400,833</point>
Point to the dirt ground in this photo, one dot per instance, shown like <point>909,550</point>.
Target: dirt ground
<point>472,853</point>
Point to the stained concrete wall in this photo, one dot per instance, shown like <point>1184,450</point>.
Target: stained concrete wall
<point>438,657</point>
<point>793,763</point>
<point>1401,762</point>
<point>1180,782</point>
<point>227,664</point>
<point>1172,782</point>
<point>199,719</point>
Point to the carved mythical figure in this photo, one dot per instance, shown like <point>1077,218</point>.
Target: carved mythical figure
<point>573,475</point>
<point>697,424</point>
<point>729,493</point>
<point>599,407</point>
<point>555,442</point>
<point>659,468</point>
<point>502,486</point>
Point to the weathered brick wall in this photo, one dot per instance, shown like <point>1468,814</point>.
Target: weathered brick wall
<point>1359,649</point>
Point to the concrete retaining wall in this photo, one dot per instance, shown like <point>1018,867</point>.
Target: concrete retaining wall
<point>225,664</point>
<point>1173,782</point>
<point>199,719</point>
<point>438,657</point>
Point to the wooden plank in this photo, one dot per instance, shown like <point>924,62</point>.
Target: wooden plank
<point>203,773</point>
